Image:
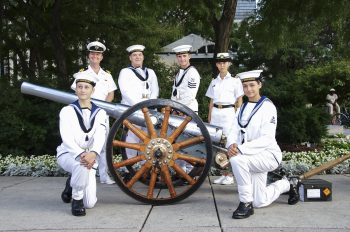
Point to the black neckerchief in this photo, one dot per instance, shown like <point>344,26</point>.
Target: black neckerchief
<point>255,109</point>
<point>181,79</point>
<point>139,75</point>
<point>78,110</point>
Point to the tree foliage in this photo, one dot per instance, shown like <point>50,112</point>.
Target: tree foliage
<point>303,47</point>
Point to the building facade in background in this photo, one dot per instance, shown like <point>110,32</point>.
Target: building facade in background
<point>244,9</point>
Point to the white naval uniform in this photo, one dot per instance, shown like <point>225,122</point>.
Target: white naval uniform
<point>78,136</point>
<point>104,85</point>
<point>259,153</point>
<point>185,87</point>
<point>224,92</point>
<point>135,89</point>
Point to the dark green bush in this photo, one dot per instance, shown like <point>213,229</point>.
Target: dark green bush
<point>296,123</point>
<point>29,125</point>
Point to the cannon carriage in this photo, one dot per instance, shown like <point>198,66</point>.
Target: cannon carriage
<point>155,175</point>
<point>173,155</point>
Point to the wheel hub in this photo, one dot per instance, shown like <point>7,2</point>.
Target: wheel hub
<point>159,151</point>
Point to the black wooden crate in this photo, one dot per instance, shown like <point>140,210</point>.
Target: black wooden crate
<point>315,190</point>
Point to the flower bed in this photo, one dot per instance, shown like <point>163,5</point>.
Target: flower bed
<point>295,163</point>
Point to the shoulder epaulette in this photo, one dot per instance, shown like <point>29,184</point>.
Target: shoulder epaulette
<point>83,69</point>
<point>107,71</point>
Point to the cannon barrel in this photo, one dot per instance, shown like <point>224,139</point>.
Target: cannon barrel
<point>116,110</point>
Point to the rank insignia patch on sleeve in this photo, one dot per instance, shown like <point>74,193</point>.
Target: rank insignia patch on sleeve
<point>273,120</point>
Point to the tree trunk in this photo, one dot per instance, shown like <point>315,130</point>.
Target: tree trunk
<point>58,47</point>
<point>223,28</point>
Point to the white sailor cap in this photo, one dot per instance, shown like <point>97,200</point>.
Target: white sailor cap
<point>96,46</point>
<point>223,57</point>
<point>182,49</point>
<point>253,75</point>
<point>85,76</point>
<point>332,90</point>
<point>135,48</point>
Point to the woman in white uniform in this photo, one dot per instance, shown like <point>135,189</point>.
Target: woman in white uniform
<point>83,128</point>
<point>253,150</point>
<point>225,93</point>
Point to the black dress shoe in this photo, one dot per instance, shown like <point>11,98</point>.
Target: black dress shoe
<point>78,208</point>
<point>244,210</point>
<point>293,195</point>
<point>66,195</point>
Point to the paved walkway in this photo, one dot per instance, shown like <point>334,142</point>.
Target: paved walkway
<point>34,204</point>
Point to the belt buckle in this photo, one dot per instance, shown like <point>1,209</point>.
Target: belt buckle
<point>220,106</point>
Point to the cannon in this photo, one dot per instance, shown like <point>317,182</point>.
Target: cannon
<point>173,155</point>
<point>155,176</point>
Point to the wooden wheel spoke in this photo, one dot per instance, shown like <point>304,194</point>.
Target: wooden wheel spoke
<point>182,173</point>
<point>167,180</point>
<point>149,123</point>
<point>137,131</point>
<point>152,183</point>
<point>135,146</point>
<point>155,176</point>
<point>165,123</point>
<point>130,161</point>
<point>192,160</point>
<point>187,142</point>
<point>179,129</point>
<point>138,174</point>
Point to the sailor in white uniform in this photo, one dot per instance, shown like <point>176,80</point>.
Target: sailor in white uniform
<point>137,83</point>
<point>187,80</point>
<point>225,93</point>
<point>253,150</point>
<point>185,87</point>
<point>105,85</point>
<point>83,127</point>
<point>104,90</point>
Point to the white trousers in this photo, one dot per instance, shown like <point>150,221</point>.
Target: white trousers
<point>223,118</point>
<point>102,164</point>
<point>132,138</point>
<point>83,180</point>
<point>250,172</point>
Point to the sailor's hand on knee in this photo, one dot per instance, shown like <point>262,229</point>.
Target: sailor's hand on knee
<point>88,159</point>
<point>90,165</point>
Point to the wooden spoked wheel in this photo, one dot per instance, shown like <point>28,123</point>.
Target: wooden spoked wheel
<point>159,161</point>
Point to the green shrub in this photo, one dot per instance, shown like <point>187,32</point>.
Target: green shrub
<point>296,123</point>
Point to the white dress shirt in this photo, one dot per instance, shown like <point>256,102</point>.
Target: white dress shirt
<point>104,85</point>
